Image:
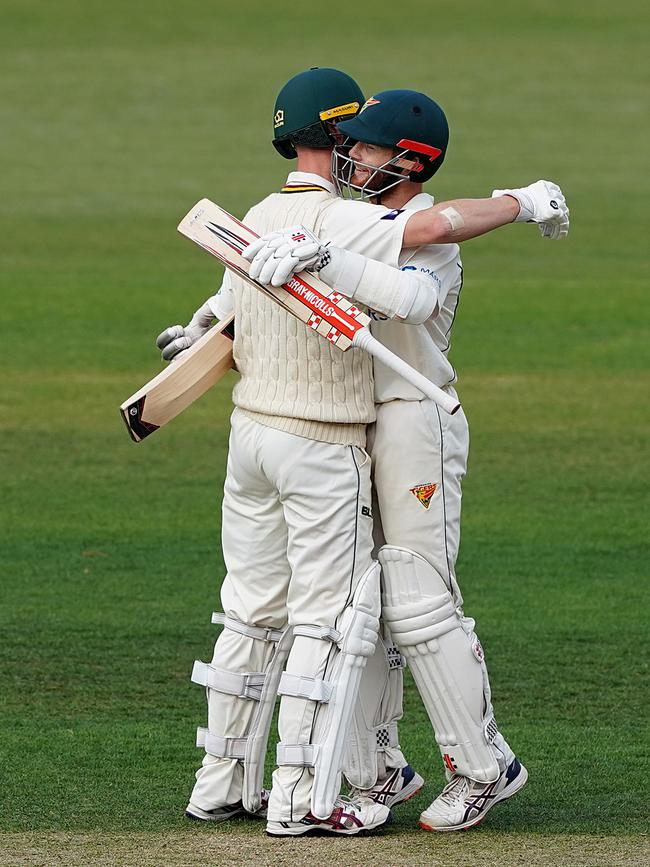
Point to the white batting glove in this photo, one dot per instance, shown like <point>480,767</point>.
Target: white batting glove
<point>175,339</point>
<point>542,202</point>
<point>276,256</point>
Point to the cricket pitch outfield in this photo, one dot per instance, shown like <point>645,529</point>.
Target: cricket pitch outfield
<point>232,847</point>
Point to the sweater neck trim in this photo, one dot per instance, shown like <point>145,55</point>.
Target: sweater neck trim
<point>303,188</point>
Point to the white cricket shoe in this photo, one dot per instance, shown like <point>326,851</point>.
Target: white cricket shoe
<point>230,811</point>
<point>398,787</point>
<point>348,817</point>
<point>463,803</point>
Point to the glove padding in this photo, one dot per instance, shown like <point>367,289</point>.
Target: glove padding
<point>276,256</point>
<point>175,339</point>
<point>543,203</point>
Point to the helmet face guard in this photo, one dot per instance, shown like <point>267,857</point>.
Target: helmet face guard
<point>410,124</point>
<point>400,167</point>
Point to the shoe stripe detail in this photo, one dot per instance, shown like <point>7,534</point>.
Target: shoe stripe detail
<point>480,802</point>
<point>386,792</point>
<point>337,820</point>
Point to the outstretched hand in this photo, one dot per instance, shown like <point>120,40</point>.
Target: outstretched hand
<point>543,203</point>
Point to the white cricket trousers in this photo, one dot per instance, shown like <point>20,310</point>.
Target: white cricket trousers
<point>297,537</point>
<point>414,445</point>
<point>417,447</point>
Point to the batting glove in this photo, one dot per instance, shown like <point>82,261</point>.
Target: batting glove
<point>175,339</point>
<point>555,231</point>
<point>542,202</point>
<point>276,256</point>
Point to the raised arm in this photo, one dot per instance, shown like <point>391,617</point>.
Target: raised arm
<point>462,219</point>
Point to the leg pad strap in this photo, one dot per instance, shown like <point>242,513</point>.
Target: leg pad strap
<point>302,686</point>
<point>297,755</point>
<point>324,633</point>
<point>262,633</point>
<point>248,685</point>
<point>222,748</point>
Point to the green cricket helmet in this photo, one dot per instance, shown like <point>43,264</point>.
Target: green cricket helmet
<point>308,107</point>
<point>411,123</point>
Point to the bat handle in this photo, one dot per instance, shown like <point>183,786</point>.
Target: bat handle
<point>364,340</point>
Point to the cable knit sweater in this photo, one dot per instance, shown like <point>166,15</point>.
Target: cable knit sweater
<point>290,377</point>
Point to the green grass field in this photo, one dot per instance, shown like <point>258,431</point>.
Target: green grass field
<point>115,118</point>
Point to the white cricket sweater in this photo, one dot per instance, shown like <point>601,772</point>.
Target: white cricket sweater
<point>290,377</point>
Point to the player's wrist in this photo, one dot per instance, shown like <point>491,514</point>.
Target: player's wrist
<point>203,317</point>
<point>514,207</point>
<point>512,203</point>
<point>516,203</point>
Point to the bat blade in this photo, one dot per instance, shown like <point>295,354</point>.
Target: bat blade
<point>181,383</point>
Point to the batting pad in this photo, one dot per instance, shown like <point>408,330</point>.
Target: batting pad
<point>446,662</point>
<point>355,639</point>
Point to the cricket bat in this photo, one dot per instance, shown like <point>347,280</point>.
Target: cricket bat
<point>181,382</point>
<point>305,296</point>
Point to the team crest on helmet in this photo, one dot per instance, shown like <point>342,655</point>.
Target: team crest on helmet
<point>371,101</point>
<point>424,493</point>
<point>278,118</point>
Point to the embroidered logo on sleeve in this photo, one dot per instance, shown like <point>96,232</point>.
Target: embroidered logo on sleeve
<point>424,493</point>
<point>391,215</point>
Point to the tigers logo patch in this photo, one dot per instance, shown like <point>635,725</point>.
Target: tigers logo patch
<point>424,493</point>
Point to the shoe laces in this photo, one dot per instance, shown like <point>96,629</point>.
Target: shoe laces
<point>455,790</point>
<point>351,803</point>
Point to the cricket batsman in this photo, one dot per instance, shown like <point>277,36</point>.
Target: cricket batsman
<point>301,594</point>
<point>419,459</point>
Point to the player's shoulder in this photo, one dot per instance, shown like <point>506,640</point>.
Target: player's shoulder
<point>352,207</point>
<point>261,207</point>
<point>263,214</point>
<point>280,202</point>
<point>346,211</point>
<point>420,202</point>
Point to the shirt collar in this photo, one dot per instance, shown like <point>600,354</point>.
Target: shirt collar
<point>311,178</point>
<point>419,202</point>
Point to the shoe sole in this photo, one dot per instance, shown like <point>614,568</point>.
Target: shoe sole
<point>206,817</point>
<point>516,786</point>
<point>319,829</point>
